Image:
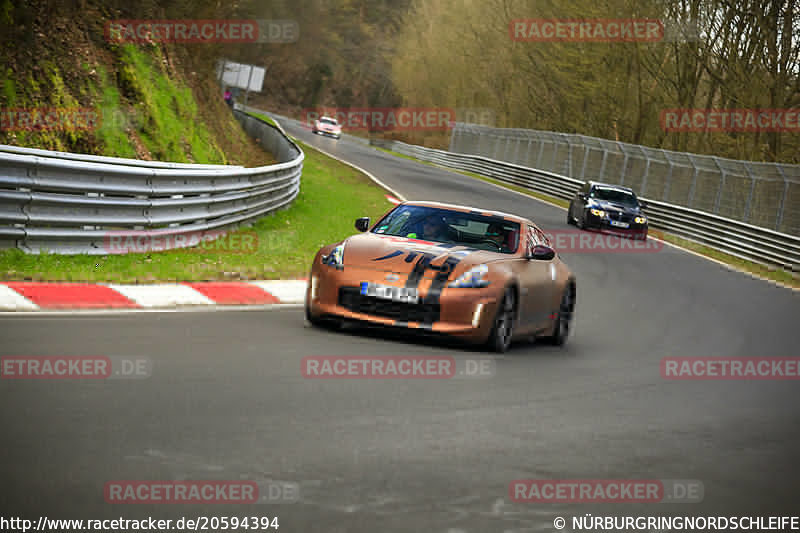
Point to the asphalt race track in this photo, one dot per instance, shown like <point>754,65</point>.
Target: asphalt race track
<point>227,401</point>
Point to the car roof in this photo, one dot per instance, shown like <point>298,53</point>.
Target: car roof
<point>474,210</point>
<point>610,186</point>
<point>326,117</point>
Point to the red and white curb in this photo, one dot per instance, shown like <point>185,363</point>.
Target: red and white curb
<point>35,296</point>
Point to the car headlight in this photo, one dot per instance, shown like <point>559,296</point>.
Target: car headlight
<point>640,220</point>
<point>473,278</point>
<point>598,212</point>
<point>335,258</point>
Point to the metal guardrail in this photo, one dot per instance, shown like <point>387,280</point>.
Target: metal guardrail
<point>5,148</point>
<point>736,238</point>
<point>762,194</point>
<point>73,204</point>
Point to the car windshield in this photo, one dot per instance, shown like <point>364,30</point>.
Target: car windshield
<point>330,121</point>
<point>618,196</point>
<point>494,234</point>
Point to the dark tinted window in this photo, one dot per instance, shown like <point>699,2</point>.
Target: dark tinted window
<point>494,234</point>
<point>609,194</point>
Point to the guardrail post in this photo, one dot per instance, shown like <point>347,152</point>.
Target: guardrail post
<point>694,182</point>
<point>779,219</point>
<point>528,151</point>
<point>720,187</point>
<point>668,179</point>
<point>603,164</point>
<point>541,153</point>
<point>624,164</point>
<point>569,158</point>
<point>647,160</point>
<point>748,206</point>
<point>585,161</point>
<point>453,136</point>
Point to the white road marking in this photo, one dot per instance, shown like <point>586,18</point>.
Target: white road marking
<point>290,291</point>
<point>11,300</point>
<point>162,295</point>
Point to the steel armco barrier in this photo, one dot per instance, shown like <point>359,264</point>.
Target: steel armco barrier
<point>71,203</point>
<point>736,238</point>
<point>761,194</point>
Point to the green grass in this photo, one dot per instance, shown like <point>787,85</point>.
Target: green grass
<point>332,195</point>
<point>263,117</point>
<point>114,123</point>
<point>143,105</point>
<point>170,125</point>
<point>775,274</point>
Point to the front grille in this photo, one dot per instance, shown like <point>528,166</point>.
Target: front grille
<point>351,299</point>
<point>620,216</point>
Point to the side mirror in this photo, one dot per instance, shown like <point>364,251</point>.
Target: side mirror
<point>362,224</point>
<point>581,196</point>
<point>542,253</point>
<point>643,204</point>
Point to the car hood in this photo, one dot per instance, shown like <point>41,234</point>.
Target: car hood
<point>400,255</point>
<point>612,206</point>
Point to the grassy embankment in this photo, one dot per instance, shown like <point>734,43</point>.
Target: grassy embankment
<point>172,127</point>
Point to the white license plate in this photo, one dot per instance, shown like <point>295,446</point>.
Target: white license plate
<point>618,224</point>
<point>398,294</point>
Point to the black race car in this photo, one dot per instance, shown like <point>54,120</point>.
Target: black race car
<point>606,207</point>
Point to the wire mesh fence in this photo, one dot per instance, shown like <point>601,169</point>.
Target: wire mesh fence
<point>762,194</point>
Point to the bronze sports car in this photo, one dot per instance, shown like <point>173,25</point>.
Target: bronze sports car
<point>483,276</point>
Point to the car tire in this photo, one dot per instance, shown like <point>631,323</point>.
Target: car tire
<point>313,320</point>
<point>579,223</point>
<point>503,327</point>
<point>563,323</point>
<point>570,220</point>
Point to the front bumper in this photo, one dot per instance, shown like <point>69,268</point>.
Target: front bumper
<point>463,313</point>
<point>328,133</point>
<point>604,224</point>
